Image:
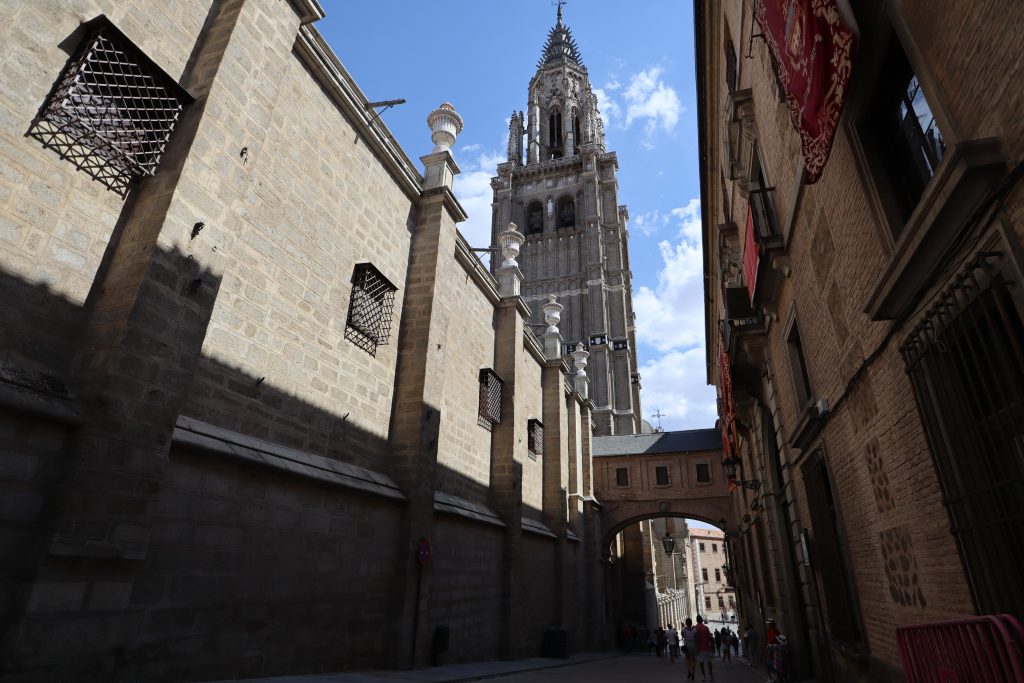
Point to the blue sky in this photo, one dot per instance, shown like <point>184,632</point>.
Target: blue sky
<point>480,55</point>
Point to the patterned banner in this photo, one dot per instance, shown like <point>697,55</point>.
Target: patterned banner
<point>814,50</point>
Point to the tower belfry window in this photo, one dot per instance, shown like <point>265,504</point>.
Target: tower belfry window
<point>534,218</point>
<point>566,212</point>
<point>555,133</point>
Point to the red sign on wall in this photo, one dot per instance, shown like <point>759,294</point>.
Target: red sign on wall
<point>814,50</point>
<point>751,255</point>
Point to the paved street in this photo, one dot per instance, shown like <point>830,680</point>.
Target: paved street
<point>589,667</point>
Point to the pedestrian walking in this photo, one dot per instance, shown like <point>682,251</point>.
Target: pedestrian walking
<point>718,642</point>
<point>673,642</point>
<point>690,649</point>
<point>778,659</point>
<point>705,642</point>
<point>750,645</point>
<point>660,641</point>
<point>734,641</point>
<point>726,656</point>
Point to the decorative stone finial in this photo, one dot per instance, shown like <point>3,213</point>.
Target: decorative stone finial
<point>580,381</point>
<point>510,241</point>
<point>552,314</point>
<point>445,125</point>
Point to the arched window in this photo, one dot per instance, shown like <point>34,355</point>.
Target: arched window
<point>577,137</point>
<point>566,212</point>
<point>555,133</point>
<point>534,218</point>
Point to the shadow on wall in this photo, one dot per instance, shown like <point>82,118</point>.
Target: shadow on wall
<point>250,569</point>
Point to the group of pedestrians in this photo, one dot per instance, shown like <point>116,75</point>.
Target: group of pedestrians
<point>699,645</point>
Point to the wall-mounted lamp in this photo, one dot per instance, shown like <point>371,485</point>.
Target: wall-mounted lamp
<point>731,466</point>
<point>669,543</point>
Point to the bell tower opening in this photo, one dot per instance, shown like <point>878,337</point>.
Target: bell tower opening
<point>555,133</point>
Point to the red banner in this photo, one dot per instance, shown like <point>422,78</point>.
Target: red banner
<point>751,255</point>
<point>728,416</point>
<point>814,49</point>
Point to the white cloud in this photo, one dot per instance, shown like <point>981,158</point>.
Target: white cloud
<point>608,107</point>
<point>612,85</point>
<point>471,148</point>
<point>671,316</point>
<point>473,190</point>
<point>675,385</point>
<point>647,98</point>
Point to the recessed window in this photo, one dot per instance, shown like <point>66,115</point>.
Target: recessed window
<point>704,573</point>
<point>714,549</point>
<point>798,367</point>
<point>112,111</point>
<point>566,212</point>
<point>718,576</point>
<point>721,600</point>
<point>900,129</point>
<point>702,549</point>
<point>703,473</point>
<point>490,399</point>
<point>621,476</point>
<point>661,476</point>
<point>707,603</point>
<point>534,218</point>
<point>369,308</point>
<point>535,439</point>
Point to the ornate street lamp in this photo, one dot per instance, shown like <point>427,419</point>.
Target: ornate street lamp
<point>669,543</point>
<point>731,466</point>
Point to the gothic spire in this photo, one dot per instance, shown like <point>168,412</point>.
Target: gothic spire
<point>560,46</point>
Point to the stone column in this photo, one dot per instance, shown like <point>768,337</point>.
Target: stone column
<point>533,153</point>
<point>419,380</point>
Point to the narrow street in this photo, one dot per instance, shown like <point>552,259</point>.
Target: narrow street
<point>590,667</point>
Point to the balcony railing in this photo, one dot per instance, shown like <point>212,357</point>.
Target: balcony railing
<point>985,648</point>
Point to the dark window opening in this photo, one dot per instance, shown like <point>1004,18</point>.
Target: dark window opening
<point>577,137</point>
<point>490,399</point>
<point>761,205</point>
<point>555,135</point>
<point>707,603</point>
<point>621,476</point>
<point>798,367</point>
<point>714,547</point>
<point>902,133</point>
<point>370,308</point>
<point>721,600</point>
<point>534,218</point>
<point>535,439</point>
<point>718,576</point>
<point>966,363</point>
<point>704,573</point>
<point>730,62</point>
<point>112,110</point>
<point>566,212</point>
<point>661,476</point>
<point>703,473</point>
<point>701,545</point>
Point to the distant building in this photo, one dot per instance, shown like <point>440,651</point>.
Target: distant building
<point>716,598</point>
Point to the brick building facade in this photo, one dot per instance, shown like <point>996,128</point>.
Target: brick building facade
<point>263,409</point>
<point>869,324</point>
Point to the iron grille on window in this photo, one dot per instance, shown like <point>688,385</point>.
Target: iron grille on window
<point>370,308</point>
<point>535,438</point>
<point>490,399</point>
<point>966,362</point>
<point>112,110</point>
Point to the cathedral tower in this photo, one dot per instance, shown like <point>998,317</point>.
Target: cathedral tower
<point>559,186</point>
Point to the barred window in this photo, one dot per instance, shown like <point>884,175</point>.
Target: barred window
<point>535,438</point>
<point>112,110</point>
<point>490,399</point>
<point>370,308</point>
<point>965,360</point>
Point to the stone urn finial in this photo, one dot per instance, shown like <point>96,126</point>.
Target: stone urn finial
<point>580,358</point>
<point>510,241</point>
<point>552,314</point>
<point>445,125</point>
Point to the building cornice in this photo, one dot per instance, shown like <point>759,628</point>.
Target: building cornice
<point>328,70</point>
<point>308,10</point>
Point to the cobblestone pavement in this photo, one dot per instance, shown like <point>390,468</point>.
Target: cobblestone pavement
<point>589,667</point>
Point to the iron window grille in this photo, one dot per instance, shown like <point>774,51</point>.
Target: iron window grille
<point>535,439</point>
<point>965,360</point>
<point>490,399</point>
<point>370,308</point>
<point>112,110</point>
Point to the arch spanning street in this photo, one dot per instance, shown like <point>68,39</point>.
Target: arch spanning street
<point>664,474</point>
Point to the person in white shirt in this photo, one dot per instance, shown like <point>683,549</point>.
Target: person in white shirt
<point>673,643</point>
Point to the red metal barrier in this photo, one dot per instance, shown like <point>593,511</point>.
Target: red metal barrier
<point>985,649</point>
